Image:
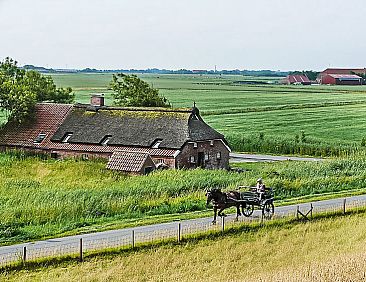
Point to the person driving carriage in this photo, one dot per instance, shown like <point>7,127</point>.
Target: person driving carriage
<point>261,188</point>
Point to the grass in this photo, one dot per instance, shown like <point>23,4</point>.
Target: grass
<point>42,198</point>
<point>321,249</point>
<point>330,116</point>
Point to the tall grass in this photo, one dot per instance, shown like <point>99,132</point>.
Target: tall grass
<point>43,197</point>
<point>258,143</point>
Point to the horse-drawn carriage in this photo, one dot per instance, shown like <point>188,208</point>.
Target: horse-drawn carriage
<point>249,199</point>
<point>246,200</point>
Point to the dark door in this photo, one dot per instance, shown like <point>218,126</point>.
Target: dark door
<point>148,169</point>
<point>201,159</point>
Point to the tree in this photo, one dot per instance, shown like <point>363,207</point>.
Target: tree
<point>20,90</point>
<point>129,90</point>
<point>312,75</point>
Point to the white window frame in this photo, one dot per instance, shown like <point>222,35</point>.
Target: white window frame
<point>42,136</point>
<point>218,156</point>
<point>156,144</point>
<point>207,157</point>
<point>67,137</point>
<point>105,140</point>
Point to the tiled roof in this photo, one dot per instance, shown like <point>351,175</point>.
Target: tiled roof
<point>128,161</point>
<point>298,78</point>
<point>47,119</point>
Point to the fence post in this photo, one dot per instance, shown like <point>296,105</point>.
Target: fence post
<point>24,254</point>
<point>262,219</point>
<point>81,250</point>
<point>297,212</point>
<point>311,210</point>
<point>133,238</point>
<point>344,206</point>
<point>179,232</point>
<point>223,223</point>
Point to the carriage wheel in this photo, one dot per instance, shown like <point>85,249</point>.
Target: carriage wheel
<point>247,209</point>
<point>268,210</point>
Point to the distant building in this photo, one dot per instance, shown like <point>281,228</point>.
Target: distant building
<point>296,79</point>
<point>337,76</point>
<point>344,71</point>
<point>134,140</point>
<point>341,79</point>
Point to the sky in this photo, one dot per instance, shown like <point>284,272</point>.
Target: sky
<point>192,34</point>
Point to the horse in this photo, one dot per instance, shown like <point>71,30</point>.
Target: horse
<point>221,201</point>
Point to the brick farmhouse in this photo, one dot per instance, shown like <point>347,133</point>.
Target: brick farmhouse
<point>134,140</point>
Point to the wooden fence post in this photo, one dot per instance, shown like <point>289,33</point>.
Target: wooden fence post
<point>311,210</point>
<point>297,212</point>
<point>133,238</point>
<point>344,206</point>
<point>81,250</point>
<point>24,254</point>
<point>179,232</point>
<point>223,223</point>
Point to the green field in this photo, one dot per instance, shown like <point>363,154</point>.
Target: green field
<point>314,251</point>
<point>44,198</point>
<point>330,116</point>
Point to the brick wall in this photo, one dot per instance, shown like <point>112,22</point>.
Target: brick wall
<point>193,152</point>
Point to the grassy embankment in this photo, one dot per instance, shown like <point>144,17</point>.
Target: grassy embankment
<point>331,117</point>
<point>45,198</point>
<point>328,249</point>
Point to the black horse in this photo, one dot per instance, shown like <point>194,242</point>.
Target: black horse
<point>221,201</point>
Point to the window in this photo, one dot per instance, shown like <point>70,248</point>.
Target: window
<point>211,143</point>
<point>218,156</point>
<point>195,145</point>
<point>192,159</point>
<point>66,137</point>
<point>207,157</point>
<point>161,161</point>
<point>84,156</point>
<point>54,155</point>
<point>40,138</point>
<point>156,144</point>
<point>105,140</point>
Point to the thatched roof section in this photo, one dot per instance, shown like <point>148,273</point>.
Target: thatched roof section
<point>140,127</point>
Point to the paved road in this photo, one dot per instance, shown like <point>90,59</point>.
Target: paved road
<point>236,158</point>
<point>125,237</point>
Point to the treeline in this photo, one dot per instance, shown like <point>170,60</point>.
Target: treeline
<point>270,73</point>
<point>299,145</point>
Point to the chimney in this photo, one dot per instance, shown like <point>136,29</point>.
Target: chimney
<point>97,100</point>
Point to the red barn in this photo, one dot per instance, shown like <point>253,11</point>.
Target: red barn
<point>296,79</point>
<point>341,79</point>
<point>323,77</point>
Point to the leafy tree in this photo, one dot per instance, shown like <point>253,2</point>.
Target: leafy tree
<point>129,90</point>
<point>20,90</point>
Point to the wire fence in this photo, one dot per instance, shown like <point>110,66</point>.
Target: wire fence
<point>80,245</point>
